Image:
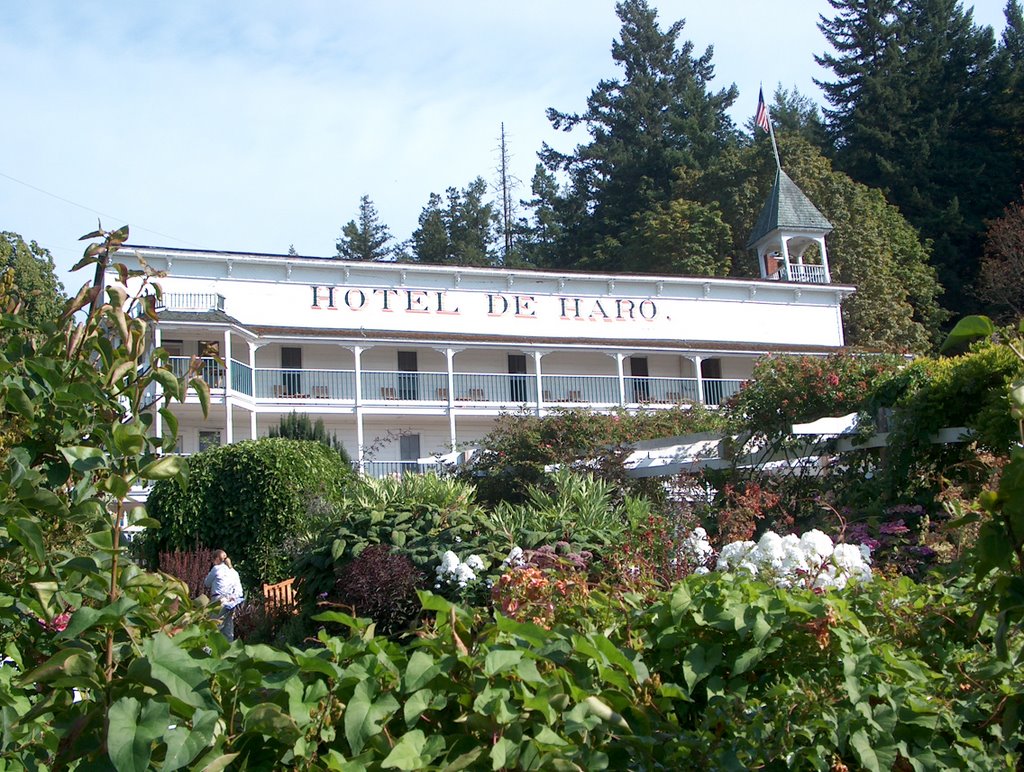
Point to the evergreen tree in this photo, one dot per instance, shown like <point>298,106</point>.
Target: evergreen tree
<point>297,426</point>
<point>659,116</point>
<point>913,113</point>
<point>35,281</point>
<point>794,113</point>
<point>366,238</point>
<point>458,229</point>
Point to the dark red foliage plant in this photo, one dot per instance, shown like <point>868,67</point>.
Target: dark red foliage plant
<point>380,584</point>
<point>191,566</point>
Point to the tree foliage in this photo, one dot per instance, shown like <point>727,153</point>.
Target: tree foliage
<point>298,426</point>
<point>872,246</point>
<point>457,229</point>
<point>659,116</point>
<point>35,281</point>
<point>365,238</point>
<point>1001,279</point>
<point>916,111</point>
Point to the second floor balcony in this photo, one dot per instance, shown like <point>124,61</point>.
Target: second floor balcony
<point>311,388</point>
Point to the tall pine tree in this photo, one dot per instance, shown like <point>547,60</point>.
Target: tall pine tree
<point>913,112</point>
<point>458,229</point>
<point>365,238</point>
<point>659,116</point>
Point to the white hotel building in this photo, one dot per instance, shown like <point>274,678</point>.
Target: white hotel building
<point>403,361</point>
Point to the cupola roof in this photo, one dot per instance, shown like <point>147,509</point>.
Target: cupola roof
<point>787,208</point>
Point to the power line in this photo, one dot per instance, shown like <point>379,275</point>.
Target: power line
<point>96,211</point>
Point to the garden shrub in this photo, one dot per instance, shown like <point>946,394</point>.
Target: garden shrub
<point>380,584</point>
<point>253,499</point>
<point>521,446</point>
<point>420,516</point>
<point>577,508</point>
<point>786,389</point>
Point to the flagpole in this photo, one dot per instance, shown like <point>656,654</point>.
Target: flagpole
<point>775,147</point>
<point>771,128</point>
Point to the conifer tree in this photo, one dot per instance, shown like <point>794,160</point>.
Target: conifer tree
<point>458,229</point>
<point>659,116</point>
<point>913,113</point>
<point>298,426</point>
<point>365,238</point>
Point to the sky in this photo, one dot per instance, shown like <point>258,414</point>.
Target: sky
<point>253,125</point>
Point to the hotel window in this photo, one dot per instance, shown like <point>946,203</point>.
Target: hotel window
<point>208,439</point>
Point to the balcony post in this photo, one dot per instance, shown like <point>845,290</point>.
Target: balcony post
<point>449,355</point>
<point>824,259</point>
<point>619,358</point>
<point>253,429</point>
<point>360,461</point>
<point>785,256</point>
<point>228,428</point>
<point>537,375</point>
<point>700,379</point>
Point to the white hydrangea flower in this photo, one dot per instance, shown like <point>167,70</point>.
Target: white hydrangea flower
<point>816,543</point>
<point>475,562</point>
<point>791,561</point>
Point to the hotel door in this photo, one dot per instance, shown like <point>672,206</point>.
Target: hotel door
<point>291,364</point>
<point>641,386</point>
<point>517,377</point>
<point>408,380</point>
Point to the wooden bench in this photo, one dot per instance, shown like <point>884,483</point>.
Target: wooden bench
<point>280,598</point>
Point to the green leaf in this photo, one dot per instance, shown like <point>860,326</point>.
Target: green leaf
<point>175,669</point>
<point>499,660</point>
<point>966,331</point>
<point>134,729</point>
<point>20,402</point>
<point>865,753</point>
<point>420,671</point>
<point>268,719</point>
<point>129,439</point>
<point>183,745</point>
<point>364,715</point>
<point>83,458</point>
<point>203,393</point>
<point>28,534</point>
<point>163,468</point>
<point>407,753</point>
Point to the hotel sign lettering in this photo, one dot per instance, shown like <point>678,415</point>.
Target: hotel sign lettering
<point>490,304</point>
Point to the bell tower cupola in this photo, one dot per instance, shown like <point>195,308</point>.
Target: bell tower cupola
<point>790,236</point>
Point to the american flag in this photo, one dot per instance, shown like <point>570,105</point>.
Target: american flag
<point>761,117</point>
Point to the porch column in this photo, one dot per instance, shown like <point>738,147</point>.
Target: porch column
<point>253,429</point>
<point>785,256</point>
<point>537,376</point>
<point>228,428</point>
<point>619,358</point>
<point>449,355</point>
<point>158,392</point>
<point>700,379</point>
<point>358,352</point>
<point>824,259</point>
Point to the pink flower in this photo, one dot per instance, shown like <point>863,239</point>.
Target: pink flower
<point>833,379</point>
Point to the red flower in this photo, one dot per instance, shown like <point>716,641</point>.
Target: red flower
<point>833,379</point>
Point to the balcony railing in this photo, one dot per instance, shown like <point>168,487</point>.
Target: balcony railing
<point>335,385</point>
<point>469,389</point>
<point>397,468</point>
<point>805,273</point>
<point>191,301</point>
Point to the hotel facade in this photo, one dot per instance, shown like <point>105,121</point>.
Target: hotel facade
<point>407,361</point>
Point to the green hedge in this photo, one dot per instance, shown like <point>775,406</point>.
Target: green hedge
<point>253,499</point>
